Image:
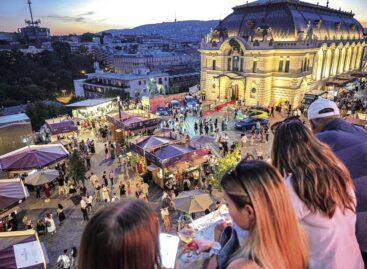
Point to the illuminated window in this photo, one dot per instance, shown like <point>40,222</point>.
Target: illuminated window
<point>229,64</point>
<point>305,65</point>
<point>236,63</point>
<point>287,63</point>
<point>254,66</point>
<point>280,67</point>
<point>253,93</point>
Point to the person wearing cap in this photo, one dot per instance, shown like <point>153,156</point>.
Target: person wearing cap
<point>349,143</point>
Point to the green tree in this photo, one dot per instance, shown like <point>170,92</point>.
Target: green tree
<point>228,161</point>
<point>76,168</point>
<point>38,112</point>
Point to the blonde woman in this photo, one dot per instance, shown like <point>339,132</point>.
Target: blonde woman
<point>322,195</point>
<point>258,202</point>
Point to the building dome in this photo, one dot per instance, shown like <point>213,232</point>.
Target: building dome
<point>289,20</point>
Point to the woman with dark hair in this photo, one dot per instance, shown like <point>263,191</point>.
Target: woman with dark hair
<point>258,202</point>
<point>60,214</point>
<point>123,235</point>
<point>322,195</point>
<point>73,258</point>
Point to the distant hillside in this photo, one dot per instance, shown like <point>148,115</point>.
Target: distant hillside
<point>181,30</point>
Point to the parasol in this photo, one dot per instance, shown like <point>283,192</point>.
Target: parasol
<point>193,201</point>
<point>41,177</point>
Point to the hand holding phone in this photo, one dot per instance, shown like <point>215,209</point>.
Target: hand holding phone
<point>168,249</point>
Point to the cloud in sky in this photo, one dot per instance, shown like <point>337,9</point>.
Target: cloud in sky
<point>82,18</point>
<point>76,16</point>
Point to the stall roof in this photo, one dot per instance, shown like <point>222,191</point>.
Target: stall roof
<point>13,118</point>
<point>61,126</point>
<point>11,192</point>
<point>14,244</point>
<point>33,156</point>
<point>154,141</point>
<point>91,102</point>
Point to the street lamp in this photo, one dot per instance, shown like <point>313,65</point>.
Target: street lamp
<point>119,106</point>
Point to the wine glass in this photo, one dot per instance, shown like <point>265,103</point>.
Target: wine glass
<point>186,232</point>
<point>223,210</point>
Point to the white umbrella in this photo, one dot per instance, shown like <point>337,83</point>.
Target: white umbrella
<point>41,177</point>
<point>193,201</point>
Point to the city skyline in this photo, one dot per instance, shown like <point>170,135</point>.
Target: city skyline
<point>79,16</point>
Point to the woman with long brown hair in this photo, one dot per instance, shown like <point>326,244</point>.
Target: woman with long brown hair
<point>123,235</point>
<point>322,194</point>
<point>258,202</point>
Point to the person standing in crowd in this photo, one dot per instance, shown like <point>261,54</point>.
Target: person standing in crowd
<point>61,187</point>
<point>87,160</point>
<point>73,256</point>
<point>114,198</point>
<point>12,222</point>
<point>111,175</point>
<point>105,152</point>
<point>105,194</point>
<point>112,151</point>
<point>83,208</point>
<point>349,143</point>
<point>38,192</point>
<point>27,222</point>
<point>322,194</point>
<point>104,177</point>
<point>40,227</point>
<point>165,219</point>
<point>122,189</point>
<point>94,180</point>
<point>92,147</point>
<point>258,202</point>
<point>119,235</point>
<point>89,203</point>
<point>47,191</point>
<point>63,261</point>
<point>196,127</point>
<point>60,214</point>
<point>50,224</point>
<point>82,189</point>
<point>225,140</point>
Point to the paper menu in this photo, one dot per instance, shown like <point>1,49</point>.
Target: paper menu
<point>27,254</point>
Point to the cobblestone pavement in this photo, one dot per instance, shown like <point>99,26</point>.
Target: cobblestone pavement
<point>70,233</point>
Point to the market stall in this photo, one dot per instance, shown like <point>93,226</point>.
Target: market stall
<point>32,157</point>
<point>132,122</point>
<point>58,128</point>
<point>92,108</point>
<point>22,249</point>
<point>12,193</point>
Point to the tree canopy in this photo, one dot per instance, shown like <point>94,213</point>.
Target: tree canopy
<point>30,78</point>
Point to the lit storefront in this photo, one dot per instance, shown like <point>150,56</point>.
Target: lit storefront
<point>93,108</point>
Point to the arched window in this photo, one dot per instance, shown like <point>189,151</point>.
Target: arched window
<point>287,65</point>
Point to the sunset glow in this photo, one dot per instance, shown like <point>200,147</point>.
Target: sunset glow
<point>79,16</point>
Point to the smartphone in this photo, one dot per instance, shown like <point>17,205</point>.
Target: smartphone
<point>168,248</point>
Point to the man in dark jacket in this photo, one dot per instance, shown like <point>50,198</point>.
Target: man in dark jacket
<point>349,143</point>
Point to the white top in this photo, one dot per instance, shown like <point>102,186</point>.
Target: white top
<point>52,226</point>
<point>83,204</point>
<point>332,242</point>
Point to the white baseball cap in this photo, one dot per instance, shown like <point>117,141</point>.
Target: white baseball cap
<point>322,108</point>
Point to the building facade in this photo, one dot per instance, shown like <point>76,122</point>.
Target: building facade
<point>104,84</point>
<point>152,59</point>
<point>272,52</point>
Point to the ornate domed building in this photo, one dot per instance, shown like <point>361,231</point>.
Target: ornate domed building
<point>269,52</point>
